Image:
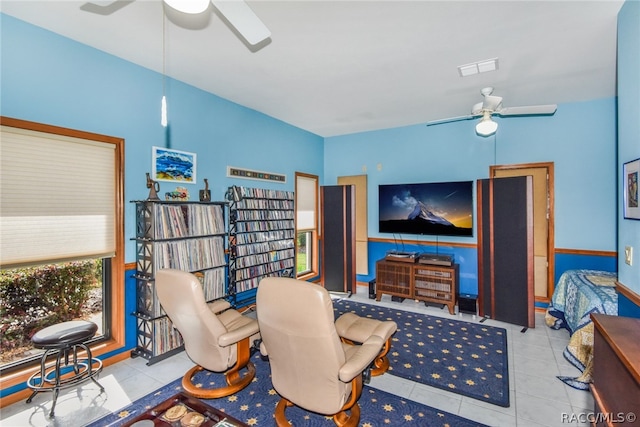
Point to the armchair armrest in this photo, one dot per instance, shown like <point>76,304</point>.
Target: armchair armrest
<point>235,335</point>
<point>361,358</point>
<point>218,306</point>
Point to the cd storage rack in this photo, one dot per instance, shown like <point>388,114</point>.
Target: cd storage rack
<point>188,236</point>
<point>261,239</point>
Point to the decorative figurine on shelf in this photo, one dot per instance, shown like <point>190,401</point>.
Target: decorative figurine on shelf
<point>205,195</point>
<point>153,187</point>
<point>180,194</point>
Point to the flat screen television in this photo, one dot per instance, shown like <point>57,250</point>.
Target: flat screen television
<point>435,208</point>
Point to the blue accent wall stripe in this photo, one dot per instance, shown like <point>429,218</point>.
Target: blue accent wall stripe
<point>627,308</point>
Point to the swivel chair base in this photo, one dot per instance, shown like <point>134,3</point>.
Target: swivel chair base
<point>235,381</point>
<point>341,419</point>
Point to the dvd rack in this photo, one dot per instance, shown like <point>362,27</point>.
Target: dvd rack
<point>188,236</point>
<point>261,239</point>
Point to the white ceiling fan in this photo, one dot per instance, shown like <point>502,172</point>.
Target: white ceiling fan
<point>236,12</point>
<point>492,106</point>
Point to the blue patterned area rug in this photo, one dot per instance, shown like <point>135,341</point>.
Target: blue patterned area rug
<point>255,405</point>
<point>461,357</point>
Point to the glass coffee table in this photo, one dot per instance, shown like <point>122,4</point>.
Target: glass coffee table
<point>182,410</point>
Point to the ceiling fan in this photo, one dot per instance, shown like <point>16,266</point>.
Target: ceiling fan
<point>492,106</point>
<point>236,12</point>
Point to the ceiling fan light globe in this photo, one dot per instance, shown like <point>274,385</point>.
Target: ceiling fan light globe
<point>188,6</point>
<point>486,127</point>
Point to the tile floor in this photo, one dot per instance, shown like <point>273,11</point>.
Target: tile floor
<point>537,398</point>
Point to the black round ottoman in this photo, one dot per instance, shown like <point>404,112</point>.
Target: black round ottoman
<point>64,340</point>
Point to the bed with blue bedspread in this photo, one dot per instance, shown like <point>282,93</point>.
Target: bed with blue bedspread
<point>579,293</point>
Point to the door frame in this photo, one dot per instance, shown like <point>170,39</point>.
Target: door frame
<point>361,250</point>
<point>549,167</point>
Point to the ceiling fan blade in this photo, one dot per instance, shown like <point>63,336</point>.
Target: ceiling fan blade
<point>476,110</point>
<point>245,21</point>
<point>451,119</point>
<point>105,7</point>
<point>491,103</point>
<point>528,111</point>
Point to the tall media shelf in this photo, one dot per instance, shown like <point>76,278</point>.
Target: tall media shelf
<point>261,239</point>
<point>187,236</point>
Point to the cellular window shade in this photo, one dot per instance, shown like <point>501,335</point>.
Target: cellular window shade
<point>57,198</point>
<point>306,201</point>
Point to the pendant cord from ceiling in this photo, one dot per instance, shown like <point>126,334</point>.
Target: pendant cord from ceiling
<point>495,149</point>
<point>163,118</point>
<point>164,58</point>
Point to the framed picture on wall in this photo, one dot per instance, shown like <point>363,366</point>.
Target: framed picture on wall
<point>630,175</point>
<point>173,165</point>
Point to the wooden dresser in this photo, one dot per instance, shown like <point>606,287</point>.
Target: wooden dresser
<point>616,371</point>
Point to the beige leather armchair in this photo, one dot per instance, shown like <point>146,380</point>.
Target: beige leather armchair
<point>310,366</point>
<point>216,337</point>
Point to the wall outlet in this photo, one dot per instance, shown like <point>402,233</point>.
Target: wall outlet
<point>628,254</point>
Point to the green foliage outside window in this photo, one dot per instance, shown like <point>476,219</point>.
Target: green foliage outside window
<point>36,297</point>
<point>302,263</point>
<point>302,240</point>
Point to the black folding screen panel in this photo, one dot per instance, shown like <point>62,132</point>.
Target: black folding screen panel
<point>505,249</point>
<point>338,237</point>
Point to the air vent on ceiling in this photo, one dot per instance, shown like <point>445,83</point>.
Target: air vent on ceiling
<point>478,67</point>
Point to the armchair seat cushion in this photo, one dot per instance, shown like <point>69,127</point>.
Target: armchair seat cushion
<point>359,329</point>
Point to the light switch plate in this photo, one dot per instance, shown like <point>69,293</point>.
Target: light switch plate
<point>628,254</point>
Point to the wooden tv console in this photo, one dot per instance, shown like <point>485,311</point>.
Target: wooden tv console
<point>423,282</point>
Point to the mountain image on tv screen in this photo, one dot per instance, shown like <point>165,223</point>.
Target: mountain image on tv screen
<point>436,208</point>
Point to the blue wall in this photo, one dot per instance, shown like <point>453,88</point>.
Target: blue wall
<point>580,139</point>
<point>50,79</point>
<point>628,144</point>
<point>568,261</point>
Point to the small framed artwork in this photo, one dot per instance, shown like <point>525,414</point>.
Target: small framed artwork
<point>233,172</point>
<point>630,175</point>
<point>173,165</point>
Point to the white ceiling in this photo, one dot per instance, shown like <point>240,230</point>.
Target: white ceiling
<point>339,67</point>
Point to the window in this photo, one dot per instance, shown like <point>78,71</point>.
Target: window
<point>306,194</point>
<point>61,212</point>
<point>304,252</point>
<point>35,297</point>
